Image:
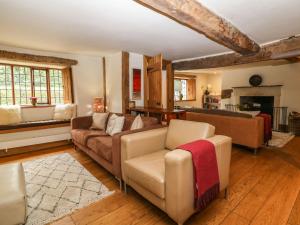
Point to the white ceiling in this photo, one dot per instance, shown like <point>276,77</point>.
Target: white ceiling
<point>98,27</point>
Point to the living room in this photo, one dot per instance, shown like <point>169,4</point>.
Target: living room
<point>149,112</point>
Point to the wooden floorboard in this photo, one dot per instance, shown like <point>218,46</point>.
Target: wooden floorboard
<point>264,189</point>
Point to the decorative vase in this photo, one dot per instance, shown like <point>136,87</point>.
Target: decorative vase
<point>33,101</point>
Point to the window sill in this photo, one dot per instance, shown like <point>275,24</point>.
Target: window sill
<point>37,106</point>
<point>189,100</point>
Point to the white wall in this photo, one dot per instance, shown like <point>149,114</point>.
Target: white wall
<point>215,80</point>
<point>87,76</point>
<point>287,75</point>
<point>114,82</point>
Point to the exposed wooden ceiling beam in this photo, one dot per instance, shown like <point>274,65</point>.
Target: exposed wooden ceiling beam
<point>22,57</point>
<point>267,52</point>
<point>194,15</point>
<point>286,55</point>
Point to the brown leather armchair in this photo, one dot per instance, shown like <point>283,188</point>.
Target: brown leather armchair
<point>153,166</point>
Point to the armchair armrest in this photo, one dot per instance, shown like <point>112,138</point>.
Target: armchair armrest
<point>116,146</point>
<point>83,122</point>
<point>223,145</point>
<point>179,177</point>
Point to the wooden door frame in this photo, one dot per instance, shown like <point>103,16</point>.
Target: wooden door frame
<point>125,82</point>
<point>166,65</point>
<point>170,85</point>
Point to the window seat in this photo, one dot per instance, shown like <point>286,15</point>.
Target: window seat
<point>35,125</point>
<point>36,129</point>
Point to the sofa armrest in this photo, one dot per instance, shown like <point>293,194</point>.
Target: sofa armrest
<point>83,122</point>
<point>116,147</point>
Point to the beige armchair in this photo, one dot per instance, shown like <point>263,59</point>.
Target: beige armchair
<point>153,166</point>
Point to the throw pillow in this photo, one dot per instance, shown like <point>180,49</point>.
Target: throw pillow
<point>64,112</point>
<point>99,121</point>
<point>10,114</point>
<point>137,123</point>
<point>115,124</point>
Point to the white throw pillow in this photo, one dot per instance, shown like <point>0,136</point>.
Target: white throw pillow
<point>10,114</point>
<point>115,124</point>
<point>64,112</point>
<point>99,121</point>
<point>137,123</point>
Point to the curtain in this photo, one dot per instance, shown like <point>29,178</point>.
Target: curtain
<point>68,85</point>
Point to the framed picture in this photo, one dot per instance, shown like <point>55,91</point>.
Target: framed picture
<point>137,84</point>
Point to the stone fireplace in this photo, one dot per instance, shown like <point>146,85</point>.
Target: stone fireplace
<point>265,99</point>
<point>267,91</point>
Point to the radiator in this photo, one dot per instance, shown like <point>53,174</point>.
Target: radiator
<point>6,145</point>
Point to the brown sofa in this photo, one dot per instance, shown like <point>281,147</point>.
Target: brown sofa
<point>101,147</point>
<point>243,130</point>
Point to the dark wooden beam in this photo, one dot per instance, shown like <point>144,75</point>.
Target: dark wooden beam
<point>125,81</point>
<point>15,56</point>
<point>170,85</point>
<point>267,52</point>
<point>194,15</point>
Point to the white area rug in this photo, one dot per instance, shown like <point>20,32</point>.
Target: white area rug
<point>58,185</point>
<point>279,139</point>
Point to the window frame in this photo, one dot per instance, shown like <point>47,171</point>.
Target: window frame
<point>32,84</point>
<point>187,88</point>
<point>181,79</point>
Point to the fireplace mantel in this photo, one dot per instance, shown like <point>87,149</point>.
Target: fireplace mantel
<point>263,90</point>
<point>261,86</point>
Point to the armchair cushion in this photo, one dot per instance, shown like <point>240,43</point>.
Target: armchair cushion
<point>181,132</point>
<point>148,171</point>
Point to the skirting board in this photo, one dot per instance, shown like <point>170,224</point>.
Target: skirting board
<point>5,146</point>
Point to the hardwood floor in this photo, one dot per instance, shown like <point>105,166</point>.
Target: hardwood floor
<point>264,189</point>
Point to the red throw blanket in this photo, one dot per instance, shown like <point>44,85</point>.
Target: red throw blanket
<point>206,174</point>
<point>267,126</point>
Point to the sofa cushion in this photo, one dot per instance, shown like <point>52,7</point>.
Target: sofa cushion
<point>182,131</point>
<point>81,136</point>
<point>137,123</point>
<point>32,114</point>
<point>10,114</point>
<point>147,121</point>
<point>148,171</point>
<point>102,146</point>
<point>99,121</point>
<point>115,124</point>
<point>64,112</point>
